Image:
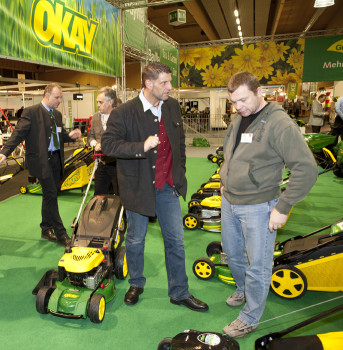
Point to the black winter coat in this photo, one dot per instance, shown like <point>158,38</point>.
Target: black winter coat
<point>127,129</point>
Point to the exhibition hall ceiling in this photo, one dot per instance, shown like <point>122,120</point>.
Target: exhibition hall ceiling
<point>208,20</point>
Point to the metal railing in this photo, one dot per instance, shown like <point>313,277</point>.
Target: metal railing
<point>205,124</point>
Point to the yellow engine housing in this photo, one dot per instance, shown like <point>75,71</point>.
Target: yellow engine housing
<point>81,259</point>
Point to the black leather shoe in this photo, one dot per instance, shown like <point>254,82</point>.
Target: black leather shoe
<point>64,240</point>
<point>132,295</point>
<point>49,235</point>
<point>192,303</point>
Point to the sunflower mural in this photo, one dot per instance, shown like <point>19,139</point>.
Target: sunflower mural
<point>272,62</point>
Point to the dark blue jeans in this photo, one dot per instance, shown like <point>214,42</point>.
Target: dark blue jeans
<point>168,211</point>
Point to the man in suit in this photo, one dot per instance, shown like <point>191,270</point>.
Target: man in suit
<point>42,129</point>
<point>106,174</point>
<point>317,115</point>
<point>146,136</point>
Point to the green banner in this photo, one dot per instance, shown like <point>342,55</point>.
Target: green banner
<point>76,34</point>
<point>135,27</point>
<point>323,59</point>
<point>161,51</point>
<point>292,91</point>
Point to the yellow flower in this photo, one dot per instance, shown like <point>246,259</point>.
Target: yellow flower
<point>202,58</point>
<point>301,42</point>
<point>185,72</point>
<point>247,58</point>
<point>229,68</point>
<point>284,78</point>
<point>216,50</point>
<point>268,49</point>
<point>281,50</point>
<point>213,76</point>
<point>296,58</point>
<point>187,56</point>
<point>266,68</point>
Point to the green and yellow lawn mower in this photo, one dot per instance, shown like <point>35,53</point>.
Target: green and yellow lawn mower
<point>206,215</point>
<point>77,171</point>
<point>84,282</point>
<point>309,262</point>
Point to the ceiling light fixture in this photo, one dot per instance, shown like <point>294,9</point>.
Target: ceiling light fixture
<point>239,28</point>
<point>323,3</point>
<point>240,33</point>
<point>235,13</point>
<point>238,21</point>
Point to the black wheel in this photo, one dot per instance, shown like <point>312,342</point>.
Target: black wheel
<point>165,344</point>
<point>42,299</point>
<point>288,282</point>
<point>214,248</point>
<point>190,221</point>
<point>204,268</point>
<point>209,157</point>
<point>338,170</point>
<point>193,202</point>
<point>195,209</point>
<point>220,162</point>
<point>214,159</point>
<point>120,264</point>
<point>97,308</point>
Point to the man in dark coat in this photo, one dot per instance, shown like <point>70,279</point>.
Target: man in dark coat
<point>42,129</point>
<point>146,136</point>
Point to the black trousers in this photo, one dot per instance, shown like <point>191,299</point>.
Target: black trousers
<point>316,129</point>
<point>106,179</point>
<point>50,214</point>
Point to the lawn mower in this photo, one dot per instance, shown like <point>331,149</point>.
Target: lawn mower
<point>84,281</point>
<point>207,189</point>
<point>11,169</point>
<point>308,262</point>
<point>77,172</point>
<point>191,339</point>
<point>206,215</point>
<point>218,157</point>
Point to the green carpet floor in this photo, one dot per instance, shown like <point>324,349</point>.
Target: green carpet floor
<point>24,257</point>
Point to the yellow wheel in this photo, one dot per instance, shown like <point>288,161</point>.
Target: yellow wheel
<point>204,268</point>
<point>190,221</point>
<point>97,307</point>
<point>193,202</point>
<point>214,159</point>
<point>288,282</point>
<point>23,189</point>
<point>120,264</point>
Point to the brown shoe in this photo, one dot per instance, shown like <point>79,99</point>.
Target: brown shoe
<point>132,295</point>
<point>49,235</point>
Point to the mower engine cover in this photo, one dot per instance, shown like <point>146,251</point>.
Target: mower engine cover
<point>191,339</point>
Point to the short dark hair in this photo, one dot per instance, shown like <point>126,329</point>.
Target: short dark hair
<point>321,96</point>
<point>153,70</point>
<point>109,94</point>
<point>48,89</point>
<point>243,78</point>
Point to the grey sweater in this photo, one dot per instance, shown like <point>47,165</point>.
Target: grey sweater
<point>253,174</point>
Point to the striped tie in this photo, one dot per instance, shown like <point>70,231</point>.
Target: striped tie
<point>54,130</point>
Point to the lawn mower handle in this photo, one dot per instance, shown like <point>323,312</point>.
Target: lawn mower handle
<point>262,343</point>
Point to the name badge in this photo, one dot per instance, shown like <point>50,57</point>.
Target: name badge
<point>59,129</point>
<point>246,138</point>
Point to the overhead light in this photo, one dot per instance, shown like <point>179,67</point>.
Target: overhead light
<point>235,13</point>
<point>238,21</point>
<point>240,33</point>
<point>323,3</point>
<point>239,28</point>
